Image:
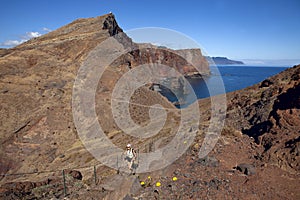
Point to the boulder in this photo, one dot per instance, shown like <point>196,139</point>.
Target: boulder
<point>247,169</point>
<point>75,174</point>
<point>209,161</point>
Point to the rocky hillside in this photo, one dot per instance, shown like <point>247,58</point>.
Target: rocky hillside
<point>256,157</point>
<point>36,85</point>
<point>37,131</point>
<point>269,112</point>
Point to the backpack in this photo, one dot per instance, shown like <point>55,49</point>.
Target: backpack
<point>129,153</point>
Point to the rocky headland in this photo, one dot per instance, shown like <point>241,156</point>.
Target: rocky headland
<point>222,61</point>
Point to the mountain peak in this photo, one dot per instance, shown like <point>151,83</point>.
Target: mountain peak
<point>111,24</point>
<point>99,28</point>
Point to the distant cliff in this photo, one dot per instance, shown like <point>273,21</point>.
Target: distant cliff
<point>188,62</point>
<point>222,61</point>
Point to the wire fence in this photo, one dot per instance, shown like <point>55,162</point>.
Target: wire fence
<point>69,178</point>
<point>66,180</point>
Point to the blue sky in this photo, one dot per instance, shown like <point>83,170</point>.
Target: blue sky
<point>238,29</point>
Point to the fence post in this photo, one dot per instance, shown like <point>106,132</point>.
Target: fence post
<point>64,179</point>
<point>118,170</point>
<point>151,146</point>
<point>95,175</point>
<point>138,156</point>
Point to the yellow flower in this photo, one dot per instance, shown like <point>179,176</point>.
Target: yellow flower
<point>158,184</point>
<point>149,177</point>
<point>174,178</point>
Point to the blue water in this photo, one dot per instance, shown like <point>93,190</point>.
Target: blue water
<point>225,79</point>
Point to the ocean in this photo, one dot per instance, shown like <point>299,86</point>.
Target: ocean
<point>223,79</point>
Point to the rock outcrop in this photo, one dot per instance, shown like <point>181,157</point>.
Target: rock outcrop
<point>188,62</point>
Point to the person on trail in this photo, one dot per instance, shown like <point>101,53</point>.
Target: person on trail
<point>130,156</point>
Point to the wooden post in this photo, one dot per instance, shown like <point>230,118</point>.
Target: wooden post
<point>118,170</point>
<point>95,175</point>
<point>138,157</point>
<point>151,146</point>
<point>64,179</point>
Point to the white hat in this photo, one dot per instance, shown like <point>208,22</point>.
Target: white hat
<point>128,145</point>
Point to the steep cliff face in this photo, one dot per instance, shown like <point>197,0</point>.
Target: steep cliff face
<point>188,62</point>
<point>195,57</point>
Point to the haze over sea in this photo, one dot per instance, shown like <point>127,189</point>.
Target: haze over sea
<point>234,77</point>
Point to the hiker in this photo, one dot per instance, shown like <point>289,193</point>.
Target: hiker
<point>130,156</point>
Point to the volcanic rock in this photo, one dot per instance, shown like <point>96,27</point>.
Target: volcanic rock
<point>269,112</point>
<point>247,169</point>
